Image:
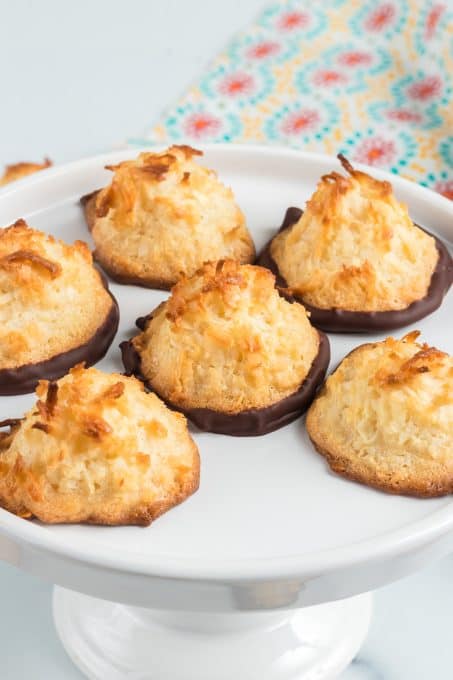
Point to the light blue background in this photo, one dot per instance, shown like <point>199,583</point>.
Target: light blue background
<point>78,78</point>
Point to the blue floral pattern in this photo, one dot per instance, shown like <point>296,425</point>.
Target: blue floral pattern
<point>369,78</point>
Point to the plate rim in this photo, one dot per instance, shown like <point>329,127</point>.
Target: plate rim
<point>411,536</point>
<point>277,149</point>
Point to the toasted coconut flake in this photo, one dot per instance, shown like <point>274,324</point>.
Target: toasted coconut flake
<point>18,170</point>
<point>96,427</point>
<point>34,258</point>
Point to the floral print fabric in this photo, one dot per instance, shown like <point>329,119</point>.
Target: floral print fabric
<point>371,79</point>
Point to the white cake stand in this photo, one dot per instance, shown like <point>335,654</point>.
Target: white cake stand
<point>260,574</point>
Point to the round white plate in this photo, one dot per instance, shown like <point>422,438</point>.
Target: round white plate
<point>268,506</point>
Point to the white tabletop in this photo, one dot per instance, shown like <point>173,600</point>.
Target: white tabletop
<point>78,78</point>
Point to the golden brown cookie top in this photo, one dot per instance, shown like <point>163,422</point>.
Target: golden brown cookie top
<point>19,170</point>
<point>227,340</point>
<point>52,297</point>
<point>385,417</point>
<point>164,214</point>
<point>355,247</point>
<point>96,447</point>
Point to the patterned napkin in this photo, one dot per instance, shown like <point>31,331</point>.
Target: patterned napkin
<point>371,79</point>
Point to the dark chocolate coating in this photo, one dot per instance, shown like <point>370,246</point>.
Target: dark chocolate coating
<point>88,206</point>
<point>24,379</point>
<point>345,321</point>
<point>88,197</point>
<point>254,421</point>
<point>132,280</point>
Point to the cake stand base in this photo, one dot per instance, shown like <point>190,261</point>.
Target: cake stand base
<point>109,641</point>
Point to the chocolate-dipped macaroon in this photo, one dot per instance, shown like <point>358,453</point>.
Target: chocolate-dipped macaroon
<point>18,171</point>
<point>356,260</point>
<point>96,448</point>
<point>164,215</point>
<point>230,352</point>
<point>55,308</point>
<point>385,417</point>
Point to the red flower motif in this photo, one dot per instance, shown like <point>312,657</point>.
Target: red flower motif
<point>236,84</point>
<point>292,20</point>
<point>425,89</point>
<point>375,151</point>
<point>300,121</point>
<point>328,78</point>
<point>201,125</point>
<point>445,188</point>
<point>263,49</point>
<point>433,19</point>
<point>354,58</point>
<point>404,116</point>
<point>381,17</point>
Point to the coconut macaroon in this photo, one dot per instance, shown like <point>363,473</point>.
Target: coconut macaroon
<point>355,258</point>
<point>20,170</point>
<point>97,448</point>
<point>55,309</point>
<point>164,215</point>
<point>385,417</point>
<point>229,351</point>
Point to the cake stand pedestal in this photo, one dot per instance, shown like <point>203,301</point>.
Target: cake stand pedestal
<point>117,642</point>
